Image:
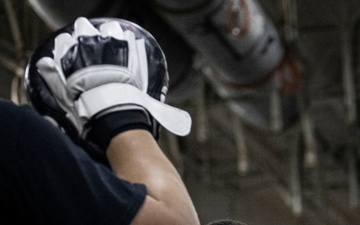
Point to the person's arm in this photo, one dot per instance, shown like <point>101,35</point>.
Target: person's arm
<point>110,78</point>
<point>135,156</point>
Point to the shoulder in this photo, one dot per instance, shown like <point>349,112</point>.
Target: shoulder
<point>10,109</point>
<point>23,122</point>
<point>12,115</point>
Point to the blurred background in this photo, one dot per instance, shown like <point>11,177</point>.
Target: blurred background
<point>272,87</point>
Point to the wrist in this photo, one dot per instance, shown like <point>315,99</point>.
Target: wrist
<point>103,129</point>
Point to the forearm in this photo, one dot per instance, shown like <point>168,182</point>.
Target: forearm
<point>135,156</point>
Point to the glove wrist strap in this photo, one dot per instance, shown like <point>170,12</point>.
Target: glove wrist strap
<point>103,129</point>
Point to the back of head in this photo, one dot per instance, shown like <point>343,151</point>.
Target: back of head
<point>226,222</point>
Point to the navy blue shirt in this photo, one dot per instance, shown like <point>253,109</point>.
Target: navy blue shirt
<point>46,179</point>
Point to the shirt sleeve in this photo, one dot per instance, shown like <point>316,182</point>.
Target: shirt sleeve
<point>54,181</point>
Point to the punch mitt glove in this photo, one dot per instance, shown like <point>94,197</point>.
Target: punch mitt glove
<point>102,76</point>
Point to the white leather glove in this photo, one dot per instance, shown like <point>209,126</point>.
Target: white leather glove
<point>97,72</point>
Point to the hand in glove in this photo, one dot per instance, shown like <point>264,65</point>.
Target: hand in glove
<point>107,79</point>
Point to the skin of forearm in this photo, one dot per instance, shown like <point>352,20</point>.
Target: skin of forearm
<point>135,156</point>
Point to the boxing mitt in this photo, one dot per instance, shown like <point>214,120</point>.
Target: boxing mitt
<point>103,71</point>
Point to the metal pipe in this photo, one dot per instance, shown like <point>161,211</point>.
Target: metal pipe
<point>295,181</point>
<point>241,146</point>
<point>244,51</point>
<point>11,65</point>
<point>202,116</point>
<point>354,157</point>
<point>15,28</point>
<point>353,177</point>
<point>347,72</point>
<point>291,33</point>
<point>276,114</point>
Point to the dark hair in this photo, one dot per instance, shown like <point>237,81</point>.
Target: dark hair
<point>226,222</point>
